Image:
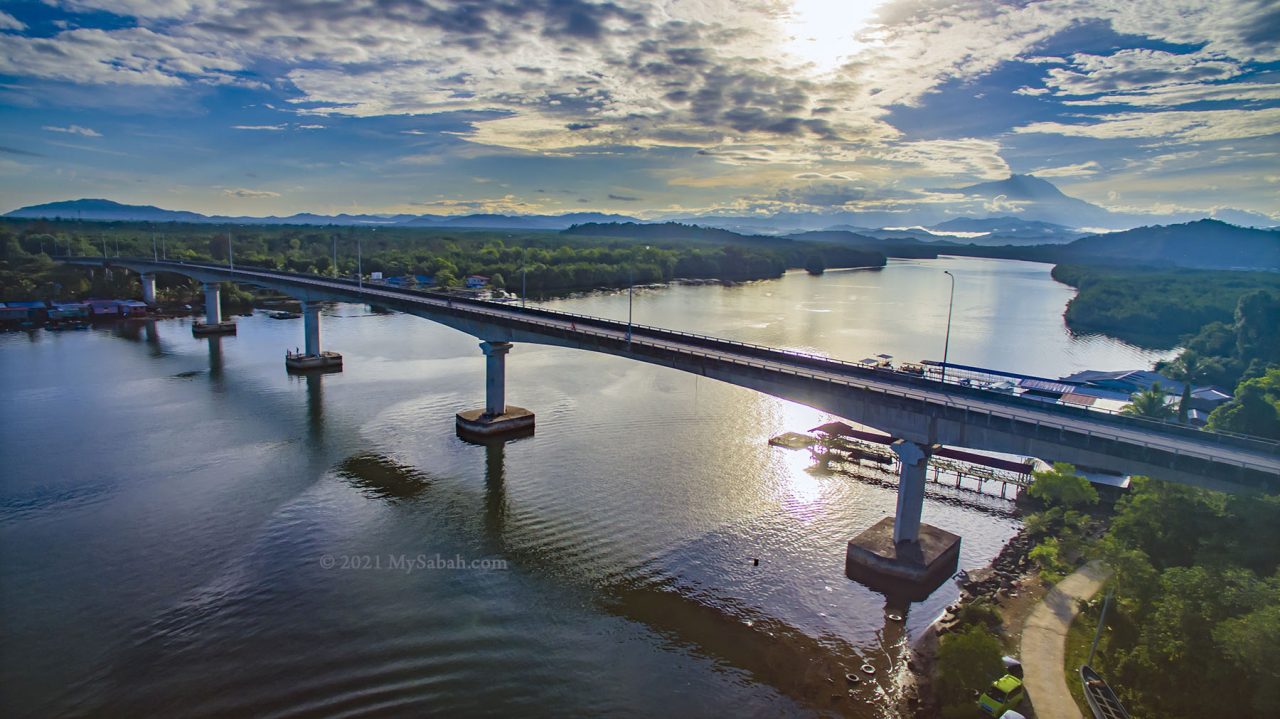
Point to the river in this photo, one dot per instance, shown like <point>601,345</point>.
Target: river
<point>170,508</point>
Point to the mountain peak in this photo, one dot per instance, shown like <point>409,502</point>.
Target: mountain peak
<point>1017,187</point>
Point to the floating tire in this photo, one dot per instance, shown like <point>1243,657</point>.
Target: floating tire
<point>852,678</point>
<point>895,617</point>
<point>868,669</point>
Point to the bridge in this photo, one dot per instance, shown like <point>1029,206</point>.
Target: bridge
<point>921,413</point>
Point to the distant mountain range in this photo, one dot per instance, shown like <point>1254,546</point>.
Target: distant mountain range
<point>1022,209</point>
<point>1204,244</point>
<point>106,210</point>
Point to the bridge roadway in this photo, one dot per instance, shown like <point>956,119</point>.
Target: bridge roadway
<point>918,410</point>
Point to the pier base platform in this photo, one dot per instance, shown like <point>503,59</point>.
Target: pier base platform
<point>909,569</point>
<point>203,329</point>
<point>323,362</point>
<point>475,424</point>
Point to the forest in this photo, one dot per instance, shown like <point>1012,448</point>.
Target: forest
<point>1155,307</point>
<point>549,262</point>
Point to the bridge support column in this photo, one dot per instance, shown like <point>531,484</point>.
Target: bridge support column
<point>312,358</point>
<point>497,418</point>
<point>900,555</point>
<point>149,289</point>
<point>213,324</point>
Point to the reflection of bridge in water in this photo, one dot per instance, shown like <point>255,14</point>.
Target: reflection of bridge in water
<point>919,413</point>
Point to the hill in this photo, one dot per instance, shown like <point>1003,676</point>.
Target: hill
<point>1204,244</point>
<point>109,211</point>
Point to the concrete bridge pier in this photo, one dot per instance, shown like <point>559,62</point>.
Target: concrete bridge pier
<point>900,555</point>
<point>213,324</point>
<point>497,418</point>
<point>312,357</point>
<point>149,289</point>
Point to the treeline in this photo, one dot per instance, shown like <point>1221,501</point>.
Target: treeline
<point>1195,628</point>
<point>547,261</point>
<point>1154,307</point>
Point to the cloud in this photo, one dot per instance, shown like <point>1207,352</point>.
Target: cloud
<point>1137,69</point>
<point>272,128</point>
<point>9,22</point>
<point>73,130</point>
<point>246,194</point>
<point>623,198</point>
<point>15,151</point>
<point>507,204</point>
<point>1001,204</point>
<point>1083,169</point>
<point>1174,125</point>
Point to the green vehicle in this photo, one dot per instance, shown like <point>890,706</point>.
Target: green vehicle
<point>1004,694</point>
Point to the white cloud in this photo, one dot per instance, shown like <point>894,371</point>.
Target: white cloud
<point>1083,169</point>
<point>9,22</point>
<point>73,130</point>
<point>1173,125</point>
<point>1032,91</point>
<point>1137,69</point>
<point>272,128</point>
<point>247,194</point>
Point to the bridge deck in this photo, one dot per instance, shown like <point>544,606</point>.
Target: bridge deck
<point>1249,453</point>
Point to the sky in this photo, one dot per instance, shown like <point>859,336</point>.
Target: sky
<point>652,109</point>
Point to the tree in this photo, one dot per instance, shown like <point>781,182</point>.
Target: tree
<point>1188,368</point>
<point>967,661</point>
<point>1062,487</point>
<point>815,265</point>
<point>1255,408</point>
<point>446,278</point>
<point>1151,403</point>
<point>497,281</point>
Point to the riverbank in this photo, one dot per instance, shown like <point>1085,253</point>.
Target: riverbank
<point>1001,595</point>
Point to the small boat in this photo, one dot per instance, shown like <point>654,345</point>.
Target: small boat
<point>1102,700</point>
<point>282,315</point>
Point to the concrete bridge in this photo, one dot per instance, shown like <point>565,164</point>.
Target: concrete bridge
<point>921,413</point>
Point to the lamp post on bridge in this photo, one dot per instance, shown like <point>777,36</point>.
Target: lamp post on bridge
<point>631,284</point>
<point>231,262</point>
<point>946,347</point>
<point>523,293</point>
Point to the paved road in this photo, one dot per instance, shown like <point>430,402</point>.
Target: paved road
<point>1044,639</point>
<point>836,371</point>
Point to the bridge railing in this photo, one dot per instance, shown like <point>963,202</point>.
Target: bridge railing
<point>815,361</point>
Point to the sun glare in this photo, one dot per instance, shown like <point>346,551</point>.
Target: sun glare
<point>823,32</point>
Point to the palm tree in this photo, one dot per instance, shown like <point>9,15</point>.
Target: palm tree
<point>1150,403</point>
<point>1187,369</point>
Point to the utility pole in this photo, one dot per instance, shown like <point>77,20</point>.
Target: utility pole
<point>334,237</point>
<point>231,263</point>
<point>1097,635</point>
<point>359,265</point>
<point>155,252</point>
<point>523,293</point>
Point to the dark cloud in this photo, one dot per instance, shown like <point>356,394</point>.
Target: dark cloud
<point>623,198</point>
<point>581,125</point>
<point>16,151</point>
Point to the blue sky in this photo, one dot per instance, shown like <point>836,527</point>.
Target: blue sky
<point>645,108</point>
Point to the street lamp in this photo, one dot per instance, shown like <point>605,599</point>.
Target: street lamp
<point>631,284</point>
<point>946,347</point>
<point>523,270</point>
<point>231,260</point>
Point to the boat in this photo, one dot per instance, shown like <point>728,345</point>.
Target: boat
<point>282,315</point>
<point>1102,700</point>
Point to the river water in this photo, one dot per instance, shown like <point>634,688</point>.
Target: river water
<point>187,530</point>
